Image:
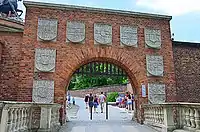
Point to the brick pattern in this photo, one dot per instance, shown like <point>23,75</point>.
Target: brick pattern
<point>10,59</point>
<point>187,61</point>
<point>98,90</point>
<point>71,56</point>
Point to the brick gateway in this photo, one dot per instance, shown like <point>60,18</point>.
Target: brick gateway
<point>59,39</point>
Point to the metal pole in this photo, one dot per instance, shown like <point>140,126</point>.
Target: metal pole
<point>132,105</point>
<point>90,113</point>
<point>106,110</point>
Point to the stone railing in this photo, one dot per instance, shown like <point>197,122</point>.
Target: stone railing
<point>21,116</point>
<point>169,117</point>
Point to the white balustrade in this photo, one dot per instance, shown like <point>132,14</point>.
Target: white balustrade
<point>162,115</point>
<point>17,116</point>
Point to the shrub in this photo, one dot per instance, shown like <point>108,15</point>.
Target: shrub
<point>111,97</point>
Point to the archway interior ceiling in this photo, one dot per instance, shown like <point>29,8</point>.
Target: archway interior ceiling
<point>100,68</point>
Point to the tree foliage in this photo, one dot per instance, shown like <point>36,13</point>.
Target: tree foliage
<point>112,96</point>
<point>86,81</point>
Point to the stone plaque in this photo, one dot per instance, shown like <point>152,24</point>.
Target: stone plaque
<point>155,65</point>
<point>75,31</point>
<point>128,35</point>
<point>153,38</point>
<point>156,93</point>
<point>103,33</point>
<point>45,60</point>
<point>47,29</point>
<point>43,91</point>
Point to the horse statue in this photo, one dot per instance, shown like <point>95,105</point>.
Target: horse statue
<point>9,8</point>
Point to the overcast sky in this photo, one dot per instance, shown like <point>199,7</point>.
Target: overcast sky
<point>185,23</point>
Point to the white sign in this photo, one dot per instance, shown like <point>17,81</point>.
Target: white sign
<point>143,90</point>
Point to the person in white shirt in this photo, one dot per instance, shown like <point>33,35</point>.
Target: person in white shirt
<point>102,99</point>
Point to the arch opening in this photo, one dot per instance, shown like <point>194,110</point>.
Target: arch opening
<point>104,68</point>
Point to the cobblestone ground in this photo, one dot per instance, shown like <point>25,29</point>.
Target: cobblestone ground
<point>119,121</point>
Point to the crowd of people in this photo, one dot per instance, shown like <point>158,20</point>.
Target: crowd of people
<point>126,102</point>
<point>93,101</point>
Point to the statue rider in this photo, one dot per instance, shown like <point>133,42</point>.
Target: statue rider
<point>9,7</point>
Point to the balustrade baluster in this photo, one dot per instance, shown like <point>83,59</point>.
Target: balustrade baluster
<point>14,119</point>
<point>192,118</point>
<point>22,120</point>
<point>156,114</point>
<point>26,118</point>
<point>162,115</point>
<point>18,118</point>
<point>159,115</point>
<point>196,117</point>
<point>152,114</point>
<point>147,114</point>
<point>187,117</point>
<point>11,120</point>
<point>9,124</point>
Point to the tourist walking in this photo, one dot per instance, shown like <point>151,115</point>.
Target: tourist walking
<point>102,99</point>
<point>91,102</point>
<point>96,103</point>
<point>129,101</point>
<point>86,100</point>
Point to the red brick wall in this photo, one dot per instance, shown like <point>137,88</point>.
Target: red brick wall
<point>98,90</point>
<point>10,58</point>
<point>187,68</point>
<point>70,56</point>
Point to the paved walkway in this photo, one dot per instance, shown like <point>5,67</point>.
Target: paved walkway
<point>119,121</point>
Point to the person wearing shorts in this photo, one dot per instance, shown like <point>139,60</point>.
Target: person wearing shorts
<point>95,104</point>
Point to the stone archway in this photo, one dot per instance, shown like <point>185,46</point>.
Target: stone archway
<point>70,55</point>
<point>134,70</point>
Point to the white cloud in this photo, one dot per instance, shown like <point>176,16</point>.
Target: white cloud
<point>171,7</point>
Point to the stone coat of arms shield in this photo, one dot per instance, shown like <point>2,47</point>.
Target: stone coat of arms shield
<point>47,29</point>
<point>128,35</point>
<point>75,31</point>
<point>45,60</point>
<point>43,91</point>
<point>153,38</point>
<point>103,33</point>
<point>155,65</point>
<point>156,93</point>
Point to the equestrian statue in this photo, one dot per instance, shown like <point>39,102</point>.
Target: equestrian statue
<point>9,8</point>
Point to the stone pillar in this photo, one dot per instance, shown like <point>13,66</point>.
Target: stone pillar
<point>45,119</point>
<point>169,118</point>
<point>4,119</point>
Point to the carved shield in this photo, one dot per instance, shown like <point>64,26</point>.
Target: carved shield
<point>75,31</point>
<point>43,91</point>
<point>103,33</point>
<point>128,35</point>
<point>156,93</point>
<point>153,38</point>
<point>155,65</point>
<point>47,29</point>
<point>45,60</point>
